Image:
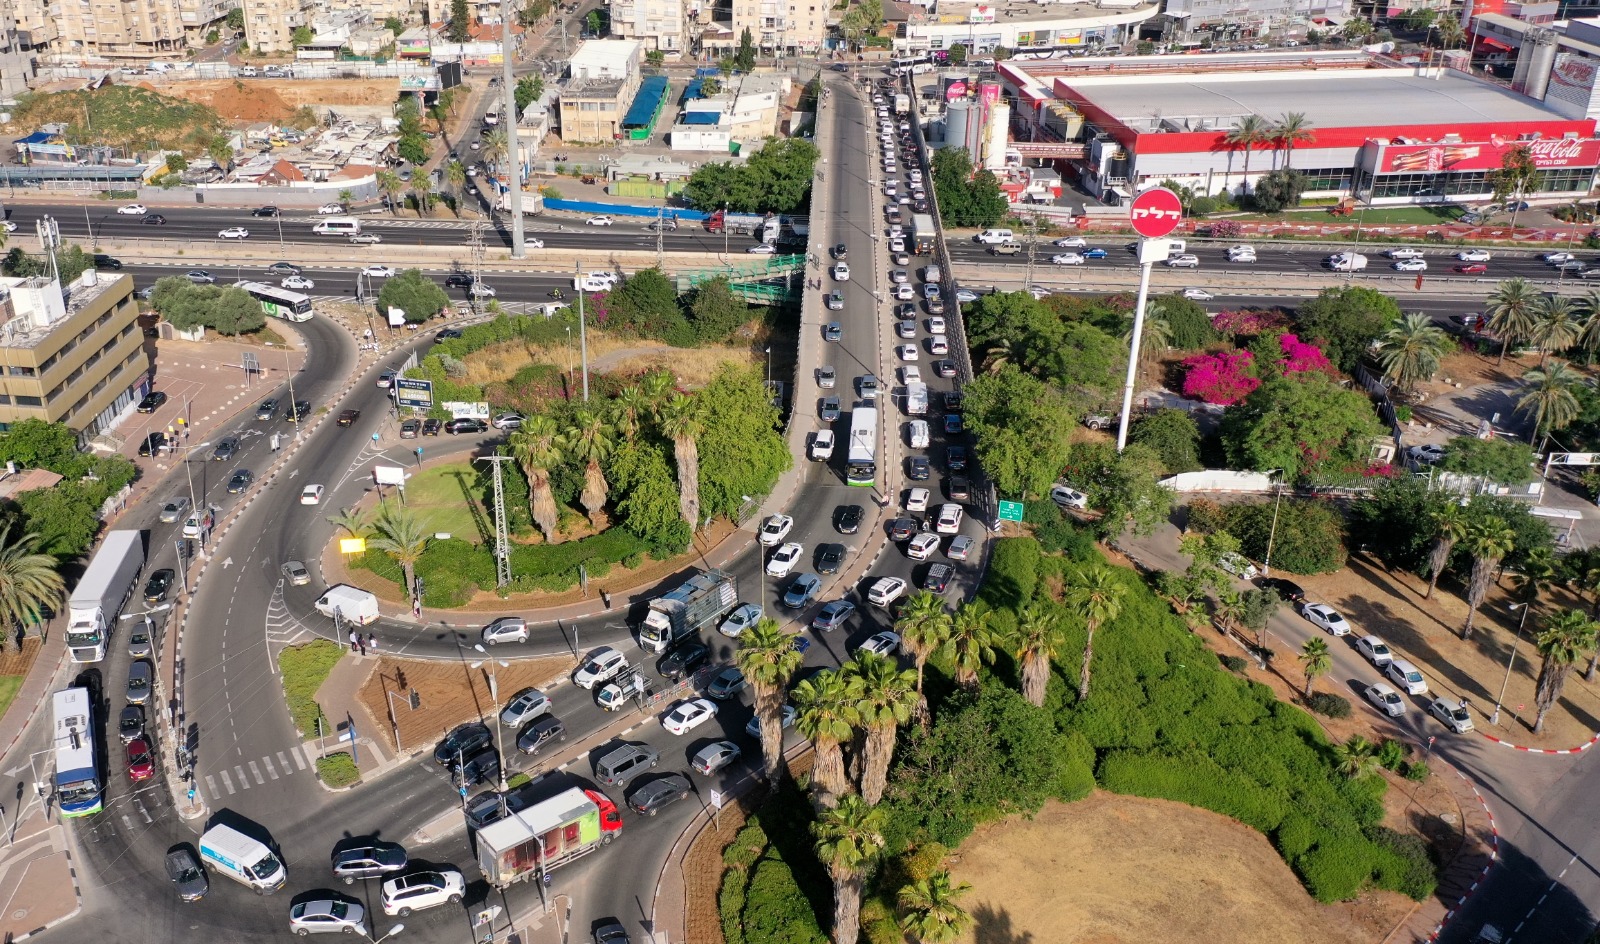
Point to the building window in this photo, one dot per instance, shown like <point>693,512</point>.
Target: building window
<point>29,401</point>
<point>22,372</point>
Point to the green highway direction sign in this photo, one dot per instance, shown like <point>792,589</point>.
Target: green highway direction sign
<point>1010,510</point>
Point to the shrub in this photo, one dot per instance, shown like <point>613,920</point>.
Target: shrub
<point>338,770</point>
<point>1329,705</point>
<point>1405,865</point>
<point>1417,771</point>
<point>1392,754</point>
<point>1057,534</point>
<point>303,670</point>
<point>1207,516</point>
<point>1013,572</point>
<point>1224,378</point>
<point>1235,663</point>
<point>1338,867</point>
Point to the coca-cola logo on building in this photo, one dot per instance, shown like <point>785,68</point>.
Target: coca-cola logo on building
<point>1489,155</point>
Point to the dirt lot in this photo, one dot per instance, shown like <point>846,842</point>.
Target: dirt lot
<point>268,100</point>
<point>451,693</point>
<point>692,367</point>
<point>1114,869</point>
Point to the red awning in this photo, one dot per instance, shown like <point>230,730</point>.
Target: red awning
<point>1493,44</point>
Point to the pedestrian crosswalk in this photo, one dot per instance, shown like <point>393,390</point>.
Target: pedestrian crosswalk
<point>256,773</point>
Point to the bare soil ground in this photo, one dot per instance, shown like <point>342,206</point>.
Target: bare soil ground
<point>267,100</point>
<point>693,367</point>
<point>1113,869</point>
<point>451,693</point>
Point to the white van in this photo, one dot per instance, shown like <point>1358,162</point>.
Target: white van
<point>932,274</point>
<point>1405,675</point>
<point>990,237</point>
<point>159,68</point>
<point>338,226</point>
<point>595,282</point>
<point>917,434</point>
<point>1176,247</point>
<point>247,861</point>
<point>350,604</point>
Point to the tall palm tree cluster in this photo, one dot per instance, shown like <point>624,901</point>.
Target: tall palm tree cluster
<point>852,716</point>
<point>1518,313</point>
<point>651,407</point>
<point>1253,131</point>
<point>29,581</point>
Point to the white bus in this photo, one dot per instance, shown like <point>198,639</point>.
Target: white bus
<point>78,785</point>
<point>279,302</point>
<point>916,65</point>
<point>861,465</point>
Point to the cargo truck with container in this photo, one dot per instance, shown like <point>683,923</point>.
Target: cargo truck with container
<point>922,233</point>
<point>532,201</point>
<point>97,600</point>
<point>700,601</point>
<point>902,103</point>
<point>546,836</point>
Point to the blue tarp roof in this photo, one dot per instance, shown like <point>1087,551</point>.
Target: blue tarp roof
<point>651,93</point>
<point>38,137</point>
<point>702,117</point>
<point>693,89</point>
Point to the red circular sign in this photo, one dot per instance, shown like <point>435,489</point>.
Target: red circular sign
<point>1155,212</point>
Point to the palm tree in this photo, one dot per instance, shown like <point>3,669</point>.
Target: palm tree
<point>1451,32</point>
<point>971,641</point>
<point>683,421</point>
<point>849,837</point>
<point>932,914</point>
<point>494,146</point>
<point>398,532</point>
<point>455,177</point>
<point>1154,339</point>
<point>1315,660</point>
<point>1589,308</point>
<point>391,186</point>
<point>29,583</point>
<point>768,659</point>
<point>1488,541</point>
<point>1512,312</point>
<point>347,197</point>
<point>589,439</point>
<point>1537,571</point>
<point>1411,350</point>
<point>1557,327</point>
<point>1450,525</point>
<point>1290,130</point>
<point>1250,133</point>
<point>1567,636</point>
<point>1097,594</point>
<point>827,717</point>
<point>1580,570</point>
<point>1550,400</point>
<point>537,449</point>
<point>999,353</point>
<point>1038,637</point>
<point>924,626</point>
<point>629,411</point>
<point>422,192</point>
<point>886,695</point>
<point>1357,757</point>
<point>351,520</point>
<point>658,390</point>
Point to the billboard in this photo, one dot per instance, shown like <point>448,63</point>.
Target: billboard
<point>1486,155</point>
<point>462,409</point>
<point>413,393</point>
<point>1572,80</point>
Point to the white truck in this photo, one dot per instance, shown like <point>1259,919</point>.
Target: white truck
<point>532,202</point>
<point>347,603</point>
<point>902,103</point>
<point>1347,262</point>
<point>700,601</point>
<point>916,398</point>
<point>97,600</point>
<point>247,861</point>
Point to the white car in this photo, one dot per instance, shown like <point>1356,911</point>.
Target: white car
<point>311,495</point>
<point>327,917</point>
<point>911,374</point>
<point>1066,258</point>
<point>602,666</point>
<point>886,590</point>
<point>775,529</point>
<point>784,559</point>
<point>1386,699</point>
<point>1452,714</point>
<point>1069,497</point>
<point>785,719</point>
<point>1238,565</point>
<point>422,890</point>
<point>505,629</point>
<point>906,352</point>
<point>1325,617</point>
<point>1198,294</point>
<point>949,521</point>
<point>762,249</point>
<point>330,209</point>
<point>841,272</point>
<point>599,221</point>
<point>1241,253</point>
<point>1185,261</point>
<point>1411,265</point>
<point>378,271</point>
<point>1473,255</point>
<point>689,715</point>
<point>904,293</point>
<point>297,281</point>
<point>917,499</point>
<point>822,444</point>
<point>923,546</point>
<point>1375,650</point>
<point>938,346</point>
<point>1558,258</point>
<point>10,227</point>
<point>936,325</point>
<point>1430,453</point>
<point>883,644</point>
<point>480,290</point>
<point>1403,252</point>
<point>234,232</point>
<point>918,433</point>
<point>741,619</point>
<point>1072,242</point>
<point>132,209</point>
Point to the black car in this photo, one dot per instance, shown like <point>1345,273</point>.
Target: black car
<point>130,724</point>
<point>430,427</point>
<point>481,767</point>
<point>901,529</point>
<point>849,519</point>
<point>225,449</point>
<point>1286,589</point>
<point>159,584</point>
<point>446,334</point>
<point>841,251</point>
<point>241,480</point>
<point>938,578</point>
<point>374,861</point>
<point>267,211</point>
<point>457,280</point>
<point>612,932</point>
<point>299,411</point>
<point>466,740</point>
<point>185,872</point>
<point>959,487</point>
<point>410,429</point>
<point>102,261</point>
<point>466,425</point>
<point>955,458</point>
<point>152,402</point>
<point>651,798</point>
<point>153,219</point>
<point>348,417</point>
<point>830,557</point>
<point>540,731</point>
<point>917,468</point>
<point>152,444</point>
<point>283,268</point>
<point>684,660</point>
<point>953,401</point>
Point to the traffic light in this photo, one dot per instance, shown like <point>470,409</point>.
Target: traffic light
<point>415,700</point>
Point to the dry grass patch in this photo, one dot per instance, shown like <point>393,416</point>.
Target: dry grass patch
<point>693,367</point>
<point>451,693</point>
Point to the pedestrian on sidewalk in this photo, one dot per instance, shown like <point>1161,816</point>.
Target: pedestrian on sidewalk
<point>362,642</point>
<point>355,641</point>
<point>372,642</point>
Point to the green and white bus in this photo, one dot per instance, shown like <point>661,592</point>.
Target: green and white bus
<point>279,302</point>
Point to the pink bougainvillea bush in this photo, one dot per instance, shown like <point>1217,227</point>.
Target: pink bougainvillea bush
<point>1300,356</point>
<point>1223,378</point>
<point>1249,322</point>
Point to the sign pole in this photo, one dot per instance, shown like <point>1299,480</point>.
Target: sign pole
<point>1154,214</point>
<point>1133,353</point>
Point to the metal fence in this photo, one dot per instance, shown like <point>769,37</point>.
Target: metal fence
<point>222,70</point>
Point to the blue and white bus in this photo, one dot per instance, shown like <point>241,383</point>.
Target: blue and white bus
<point>279,302</point>
<point>79,788</point>
<point>861,465</point>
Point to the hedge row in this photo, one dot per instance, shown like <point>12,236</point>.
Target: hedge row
<point>773,888</point>
<point>453,570</point>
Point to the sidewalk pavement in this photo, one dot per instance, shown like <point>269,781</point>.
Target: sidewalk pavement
<point>1461,876</point>
<point>38,880</point>
<point>340,698</point>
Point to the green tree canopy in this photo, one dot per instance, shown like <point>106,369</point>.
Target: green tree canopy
<point>715,311</point>
<point>741,450</point>
<point>966,198</point>
<point>413,293</point>
<point>646,303</point>
<point>1123,487</point>
<point>641,474</point>
<point>528,90</point>
<point>36,444</point>
<point>1303,423</point>
<point>458,29</point>
<point>775,179</point>
<point>224,309</point>
<point>1504,461</point>
<point>1173,436</point>
<point>1022,428</point>
<point>1278,190</point>
<point>1344,321</point>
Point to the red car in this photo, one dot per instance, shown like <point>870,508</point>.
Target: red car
<point>1472,268</point>
<point>141,766</point>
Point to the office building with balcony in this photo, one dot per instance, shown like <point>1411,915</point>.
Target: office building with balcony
<point>659,24</point>
<point>602,81</point>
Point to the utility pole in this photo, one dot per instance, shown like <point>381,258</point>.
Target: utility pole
<point>660,229</point>
<point>475,244</point>
<point>1033,242</point>
<point>512,121</point>
<point>502,540</point>
<point>583,336</point>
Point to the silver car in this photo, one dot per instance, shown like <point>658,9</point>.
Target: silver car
<point>506,629</point>
<point>525,705</point>
<point>173,511</point>
<point>139,682</point>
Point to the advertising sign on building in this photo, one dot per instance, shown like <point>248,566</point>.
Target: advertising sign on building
<point>1572,80</point>
<point>417,394</point>
<point>463,410</point>
<point>1486,155</point>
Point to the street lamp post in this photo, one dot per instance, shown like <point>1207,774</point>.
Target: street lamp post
<point>1524,607</point>
<point>1266,565</point>
<point>494,696</point>
<point>391,933</point>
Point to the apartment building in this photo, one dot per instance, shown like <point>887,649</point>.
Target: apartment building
<point>659,24</point>
<point>781,27</point>
<point>72,354</point>
<point>119,28</point>
<point>269,25</point>
<point>603,79</point>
